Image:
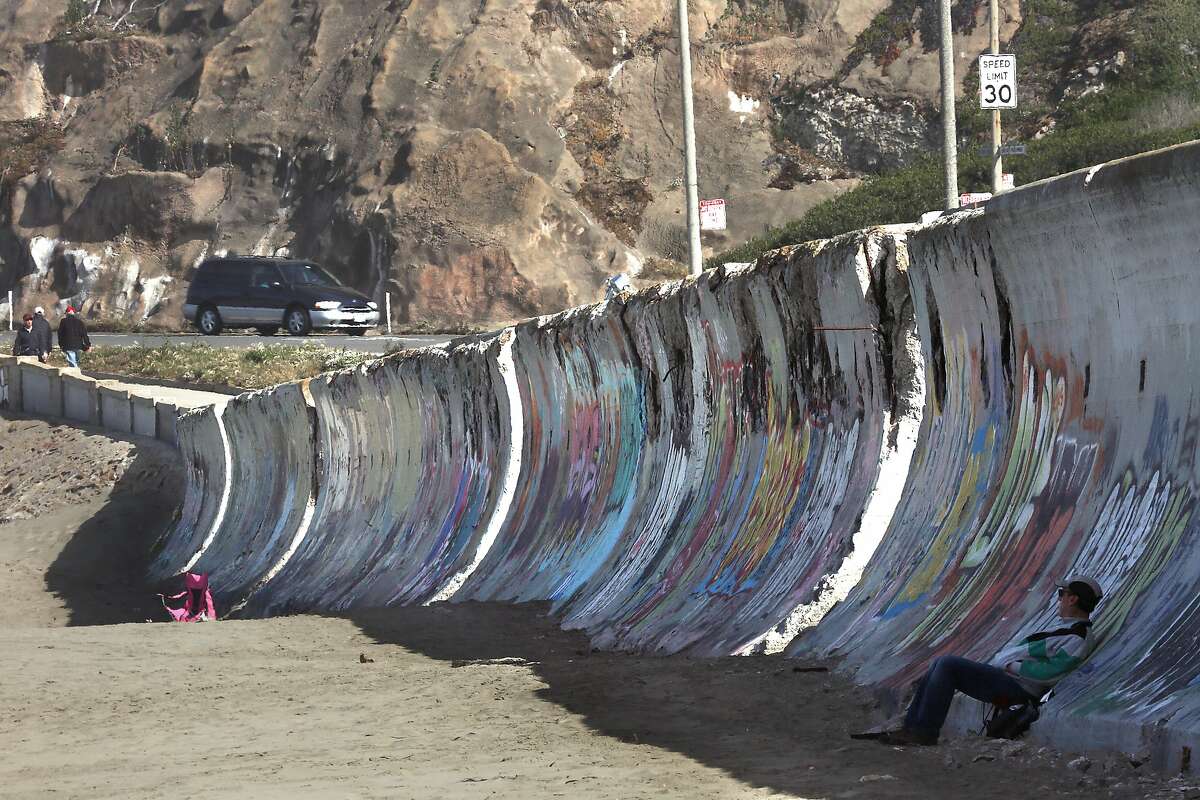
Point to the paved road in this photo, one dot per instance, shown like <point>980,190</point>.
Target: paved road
<point>365,344</point>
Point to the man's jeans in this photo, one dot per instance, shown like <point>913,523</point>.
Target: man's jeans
<point>72,358</point>
<point>931,703</point>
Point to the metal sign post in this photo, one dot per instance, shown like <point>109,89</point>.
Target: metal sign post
<point>949,126</point>
<point>997,161</point>
<point>689,142</point>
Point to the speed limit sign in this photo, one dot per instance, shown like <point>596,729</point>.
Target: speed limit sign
<point>998,81</point>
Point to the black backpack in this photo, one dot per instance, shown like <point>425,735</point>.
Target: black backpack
<point>1011,721</point>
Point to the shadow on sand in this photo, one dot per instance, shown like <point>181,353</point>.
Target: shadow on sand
<point>99,574</point>
<point>757,718</point>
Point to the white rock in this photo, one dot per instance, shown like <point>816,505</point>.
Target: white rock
<point>874,778</point>
<point>1013,749</point>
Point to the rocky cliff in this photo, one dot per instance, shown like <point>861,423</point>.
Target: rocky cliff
<point>482,160</point>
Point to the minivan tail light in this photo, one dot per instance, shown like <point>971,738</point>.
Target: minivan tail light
<point>326,305</point>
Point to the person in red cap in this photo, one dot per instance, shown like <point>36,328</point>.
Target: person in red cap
<point>72,337</point>
<point>26,342</point>
<point>1023,671</point>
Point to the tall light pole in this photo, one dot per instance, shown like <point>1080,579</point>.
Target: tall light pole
<point>689,142</point>
<point>997,162</point>
<point>949,128</point>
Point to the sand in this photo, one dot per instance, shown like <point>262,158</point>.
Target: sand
<point>454,700</point>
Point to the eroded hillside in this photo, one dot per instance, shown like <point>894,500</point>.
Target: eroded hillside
<point>483,160</point>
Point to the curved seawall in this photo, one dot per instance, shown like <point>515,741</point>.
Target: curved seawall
<point>1059,435</point>
<point>689,468</point>
<point>678,469</point>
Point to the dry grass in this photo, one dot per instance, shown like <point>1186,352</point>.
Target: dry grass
<point>252,368</point>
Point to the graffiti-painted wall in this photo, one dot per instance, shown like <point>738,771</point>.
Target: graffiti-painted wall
<point>691,467</point>
<point>674,470</point>
<point>1059,435</point>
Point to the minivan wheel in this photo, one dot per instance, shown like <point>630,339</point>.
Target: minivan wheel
<point>267,330</point>
<point>297,322</point>
<point>208,320</point>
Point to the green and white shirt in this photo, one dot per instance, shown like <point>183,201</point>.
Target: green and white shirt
<point>1043,659</point>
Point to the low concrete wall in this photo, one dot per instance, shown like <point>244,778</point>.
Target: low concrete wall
<point>144,416</point>
<point>81,399</point>
<point>29,387</point>
<point>41,389</point>
<point>116,409</point>
<point>10,383</point>
<point>167,413</point>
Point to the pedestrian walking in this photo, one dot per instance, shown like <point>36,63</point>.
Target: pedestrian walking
<point>25,344</point>
<point>42,335</point>
<point>72,337</point>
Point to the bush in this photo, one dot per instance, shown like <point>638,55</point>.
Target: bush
<point>76,13</point>
<point>901,196</point>
<point>1154,102</point>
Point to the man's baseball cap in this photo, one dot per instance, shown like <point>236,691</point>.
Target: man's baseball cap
<point>39,310</point>
<point>1085,588</point>
<point>27,318</point>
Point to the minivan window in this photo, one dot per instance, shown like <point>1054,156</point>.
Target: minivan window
<point>308,275</point>
<point>219,272</point>
<point>264,277</point>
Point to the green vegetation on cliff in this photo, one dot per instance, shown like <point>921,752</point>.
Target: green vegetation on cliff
<point>1150,99</point>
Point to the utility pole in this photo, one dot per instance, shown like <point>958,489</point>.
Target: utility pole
<point>689,142</point>
<point>949,127</point>
<point>997,162</point>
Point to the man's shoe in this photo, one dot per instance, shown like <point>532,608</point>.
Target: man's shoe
<point>906,737</point>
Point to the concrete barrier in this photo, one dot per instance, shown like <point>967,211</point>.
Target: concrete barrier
<point>41,389</point>
<point>143,416</point>
<point>30,387</point>
<point>10,384</point>
<point>81,399</point>
<point>679,470</point>
<point>686,469</point>
<point>167,414</point>
<point>116,408</point>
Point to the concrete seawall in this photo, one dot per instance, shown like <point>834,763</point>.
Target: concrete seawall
<point>678,470</point>
<point>1060,435</point>
<point>698,467</point>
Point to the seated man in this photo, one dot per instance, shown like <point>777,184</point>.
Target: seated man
<point>1026,670</point>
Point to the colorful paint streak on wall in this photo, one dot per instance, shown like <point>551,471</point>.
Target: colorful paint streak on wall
<point>691,462</point>
<point>697,457</point>
<point>1059,436</point>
